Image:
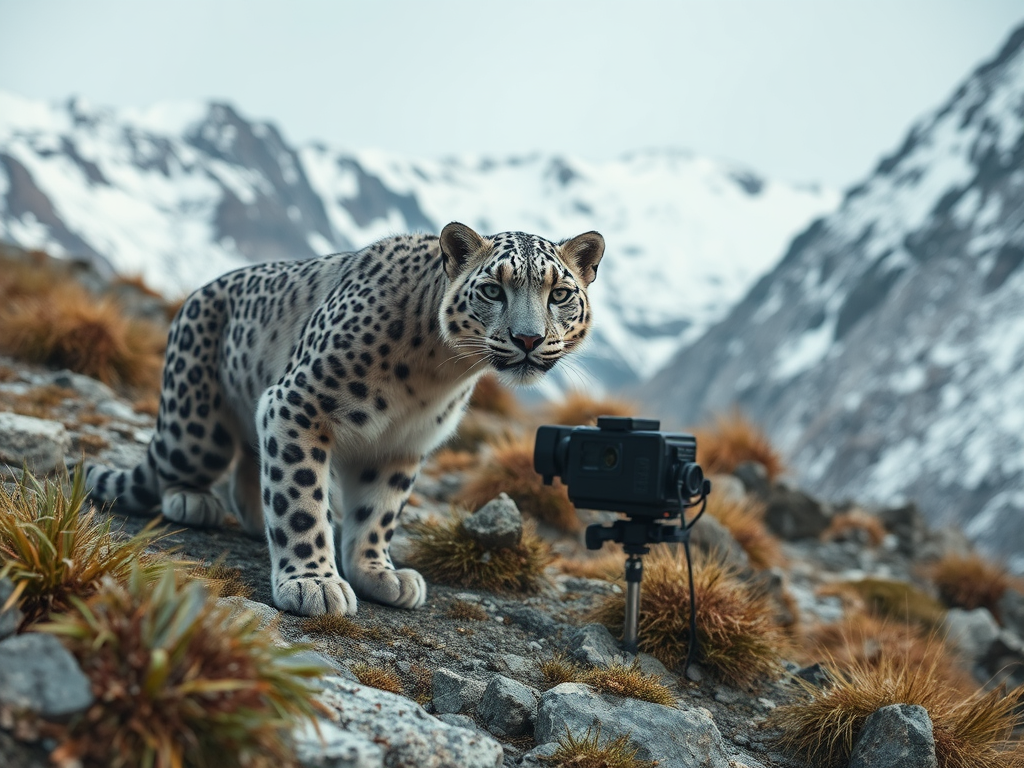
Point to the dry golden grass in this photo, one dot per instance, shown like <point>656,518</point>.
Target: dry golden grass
<point>463,610</point>
<point>509,469</point>
<point>491,396</point>
<point>739,641</point>
<point>57,550</point>
<point>731,440</point>
<point>178,681</point>
<point>443,552</point>
<point>628,681</point>
<point>580,409</point>
<point>607,564</point>
<point>69,328</point>
<point>334,625</point>
<point>588,751</point>
<point>970,731</point>
<point>886,598</point>
<point>558,670</point>
<point>970,581</point>
<point>855,525</point>
<point>446,460</point>
<point>222,581</point>
<point>745,521</point>
<point>377,677</point>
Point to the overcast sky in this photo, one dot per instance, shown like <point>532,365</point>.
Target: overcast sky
<point>800,90</point>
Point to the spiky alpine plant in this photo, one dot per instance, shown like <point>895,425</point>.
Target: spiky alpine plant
<point>55,547</point>
<point>179,681</point>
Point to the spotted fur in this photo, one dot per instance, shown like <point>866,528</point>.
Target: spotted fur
<point>320,385</point>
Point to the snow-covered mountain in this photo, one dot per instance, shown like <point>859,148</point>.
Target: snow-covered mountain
<point>886,350</point>
<point>182,192</point>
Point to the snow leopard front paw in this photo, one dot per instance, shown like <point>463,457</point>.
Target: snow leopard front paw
<point>314,595</point>
<point>403,588</point>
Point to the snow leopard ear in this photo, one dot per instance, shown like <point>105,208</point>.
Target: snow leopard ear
<point>584,252</point>
<point>458,244</point>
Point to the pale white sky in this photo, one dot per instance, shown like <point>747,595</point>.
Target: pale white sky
<point>799,90</point>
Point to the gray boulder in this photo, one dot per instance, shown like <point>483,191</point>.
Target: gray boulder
<point>11,618</point>
<point>897,736</point>
<point>334,747</point>
<point>37,443</point>
<point>792,514</point>
<point>455,694</point>
<point>40,675</point>
<point>971,632</point>
<point>676,737</point>
<point>593,645</point>
<point>497,524</point>
<point>401,728</point>
<point>1011,611</point>
<point>508,708</point>
<point>908,525</point>
<point>754,476</point>
<point>711,537</point>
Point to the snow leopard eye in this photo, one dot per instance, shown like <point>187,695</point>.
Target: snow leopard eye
<point>492,292</point>
<point>559,295</point>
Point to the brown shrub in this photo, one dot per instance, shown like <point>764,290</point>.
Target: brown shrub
<point>745,521</point>
<point>509,468</point>
<point>892,599</point>
<point>970,581</point>
<point>607,564</point>
<point>731,440</point>
<point>69,328</point>
<point>580,409</point>
<point>855,525</point>
<point>491,396</point>
<point>739,640</point>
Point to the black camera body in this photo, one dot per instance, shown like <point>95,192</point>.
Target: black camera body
<point>622,465</point>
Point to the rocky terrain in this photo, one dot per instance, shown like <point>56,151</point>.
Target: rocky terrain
<point>474,691</point>
<point>885,352</point>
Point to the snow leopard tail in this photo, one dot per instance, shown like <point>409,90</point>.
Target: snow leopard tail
<point>133,490</point>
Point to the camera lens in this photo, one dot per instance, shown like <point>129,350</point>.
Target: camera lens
<point>611,457</point>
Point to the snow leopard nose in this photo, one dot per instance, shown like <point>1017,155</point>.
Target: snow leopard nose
<point>525,341</point>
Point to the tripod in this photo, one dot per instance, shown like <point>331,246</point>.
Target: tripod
<point>635,534</point>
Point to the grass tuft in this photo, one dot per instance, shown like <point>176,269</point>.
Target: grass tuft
<point>970,731</point>
<point>463,610</point>
<point>57,549</point>
<point>731,440</point>
<point>491,396</point>
<point>509,469</point>
<point>377,677</point>
<point>856,525</point>
<point>739,640</point>
<point>222,580</point>
<point>606,564</point>
<point>588,752</point>
<point>893,599</point>
<point>744,519</point>
<point>334,625</point>
<point>628,681</point>
<point>969,581</point>
<point>443,552</point>
<point>67,327</point>
<point>580,409</point>
<point>178,681</point>
<point>447,460</point>
<point>558,670</point>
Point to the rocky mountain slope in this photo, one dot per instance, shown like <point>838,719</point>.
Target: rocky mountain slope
<point>885,353</point>
<point>180,193</point>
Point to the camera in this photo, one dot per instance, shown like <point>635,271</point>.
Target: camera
<point>622,465</point>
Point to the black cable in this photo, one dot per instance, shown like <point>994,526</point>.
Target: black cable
<point>692,642</point>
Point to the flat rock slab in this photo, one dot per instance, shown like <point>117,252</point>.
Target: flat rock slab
<point>401,728</point>
<point>40,675</point>
<point>677,738</point>
<point>37,443</point>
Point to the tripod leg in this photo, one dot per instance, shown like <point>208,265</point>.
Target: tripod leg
<point>634,572</point>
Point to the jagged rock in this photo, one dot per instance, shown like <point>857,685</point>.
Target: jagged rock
<point>454,693</point>
<point>37,443</point>
<point>897,736</point>
<point>754,476</point>
<point>508,708</point>
<point>971,632</point>
<point>816,674</point>
<point>677,738</point>
<point>793,514</point>
<point>1011,611</point>
<point>11,618</point>
<point>709,535</point>
<point>40,675</point>
<point>533,758</point>
<point>497,524</point>
<point>907,524</point>
<point>408,736</point>
<point>593,645</point>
